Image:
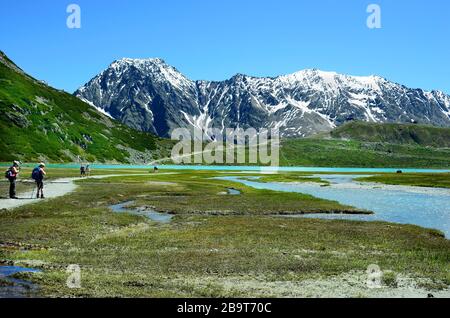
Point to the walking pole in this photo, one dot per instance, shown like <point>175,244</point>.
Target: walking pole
<point>32,194</point>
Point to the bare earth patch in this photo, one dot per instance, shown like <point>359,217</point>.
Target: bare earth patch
<point>352,284</point>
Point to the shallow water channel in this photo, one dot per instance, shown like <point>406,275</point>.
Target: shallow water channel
<point>153,215</point>
<point>11,287</point>
<point>426,207</point>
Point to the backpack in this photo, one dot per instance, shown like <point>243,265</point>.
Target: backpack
<point>9,173</point>
<point>36,174</point>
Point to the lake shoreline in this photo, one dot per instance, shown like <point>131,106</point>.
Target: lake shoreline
<point>267,169</point>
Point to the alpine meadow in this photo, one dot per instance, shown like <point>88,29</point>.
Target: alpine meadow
<point>210,157</point>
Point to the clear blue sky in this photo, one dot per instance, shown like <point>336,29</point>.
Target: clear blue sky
<point>214,39</point>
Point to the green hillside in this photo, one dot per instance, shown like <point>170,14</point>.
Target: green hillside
<point>38,122</point>
<point>410,134</point>
<point>371,145</point>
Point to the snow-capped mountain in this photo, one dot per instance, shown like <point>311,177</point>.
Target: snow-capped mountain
<point>149,95</point>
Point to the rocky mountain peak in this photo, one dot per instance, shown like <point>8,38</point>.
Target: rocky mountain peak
<point>150,95</point>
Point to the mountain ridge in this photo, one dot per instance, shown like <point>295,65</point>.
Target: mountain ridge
<point>151,95</point>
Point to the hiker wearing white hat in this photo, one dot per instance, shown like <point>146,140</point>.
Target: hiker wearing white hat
<point>11,174</point>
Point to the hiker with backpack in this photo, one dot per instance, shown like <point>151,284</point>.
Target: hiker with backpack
<point>38,175</point>
<point>82,171</point>
<point>11,175</point>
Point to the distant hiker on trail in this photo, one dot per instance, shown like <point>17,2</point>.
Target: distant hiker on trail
<point>11,175</point>
<point>38,175</point>
<point>82,171</point>
<point>155,169</point>
<point>88,170</point>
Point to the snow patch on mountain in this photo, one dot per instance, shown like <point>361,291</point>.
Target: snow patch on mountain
<point>101,110</point>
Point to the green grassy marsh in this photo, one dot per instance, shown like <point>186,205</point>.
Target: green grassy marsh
<point>239,253</point>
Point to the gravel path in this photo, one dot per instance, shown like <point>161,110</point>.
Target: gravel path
<point>52,189</point>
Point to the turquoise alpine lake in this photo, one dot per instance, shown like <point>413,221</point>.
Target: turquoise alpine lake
<point>245,168</point>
